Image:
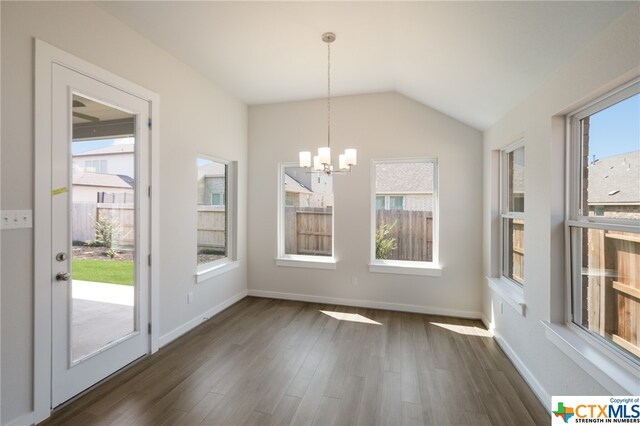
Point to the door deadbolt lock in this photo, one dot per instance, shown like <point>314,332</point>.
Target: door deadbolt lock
<point>61,257</point>
<point>63,276</point>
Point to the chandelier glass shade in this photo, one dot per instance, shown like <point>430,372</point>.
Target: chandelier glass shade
<point>321,163</point>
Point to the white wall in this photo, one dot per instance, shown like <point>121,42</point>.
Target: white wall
<point>610,59</point>
<point>195,118</point>
<point>380,126</point>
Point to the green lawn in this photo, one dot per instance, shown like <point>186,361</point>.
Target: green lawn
<point>103,271</point>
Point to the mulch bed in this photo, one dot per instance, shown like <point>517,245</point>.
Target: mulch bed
<point>100,253</point>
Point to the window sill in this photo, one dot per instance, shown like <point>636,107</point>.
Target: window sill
<point>314,262</point>
<point>216,270</point>
<point>617,375</point>
<point>405,268</point>
<point>510,292</point>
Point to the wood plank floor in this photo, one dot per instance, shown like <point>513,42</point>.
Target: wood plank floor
<point>275,362</point>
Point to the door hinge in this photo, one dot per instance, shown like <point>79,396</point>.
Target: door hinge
<point>149,124</point>
<point>149,328</point>
<point>149,260</point>
<point>149,191</point>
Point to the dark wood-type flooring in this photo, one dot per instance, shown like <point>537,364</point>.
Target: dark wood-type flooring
<point>275,362</point>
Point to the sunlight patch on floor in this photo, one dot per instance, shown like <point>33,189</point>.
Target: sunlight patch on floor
<point>344,316</point>
<point>463,329</point>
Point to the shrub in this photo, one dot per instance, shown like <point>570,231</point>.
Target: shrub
<point>107,232</point>
<point>384,243</point>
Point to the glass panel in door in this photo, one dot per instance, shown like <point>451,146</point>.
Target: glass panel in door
<point>102,226</point>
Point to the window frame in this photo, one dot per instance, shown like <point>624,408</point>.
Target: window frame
<point>205,271</point>
<point>505,213</point>
<point>405,267</point>
<point>299,260</point>
<point>608,358</point>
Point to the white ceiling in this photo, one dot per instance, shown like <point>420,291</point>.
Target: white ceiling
<point>471,60</point>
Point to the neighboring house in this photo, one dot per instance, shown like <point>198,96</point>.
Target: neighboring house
<point>117,159</point>
<point>211,184</point>
<point>87,186</point>
<point>404,186</point>
<point>304,189</point>
<point>614,186</point>
<point>296,194</point>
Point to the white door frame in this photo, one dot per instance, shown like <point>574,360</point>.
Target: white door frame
<point>46,55</point>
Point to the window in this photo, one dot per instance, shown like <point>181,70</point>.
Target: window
<point>306,216</point>
<point>215,208</point>
<point>603,220</point>
<point>390,202</point>
<point>217,199</point>
<point>512,211</point>
<point>95,166</point>
<point>396,202</point>
<point>404,224</point>
<point>290,199</point>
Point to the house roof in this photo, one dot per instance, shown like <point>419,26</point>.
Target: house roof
<point>292,185</point>
<point>404,177</point>
<point>103,179</point>
<point>212,169</point>
<point>110,150</point>
<point>615,179</point>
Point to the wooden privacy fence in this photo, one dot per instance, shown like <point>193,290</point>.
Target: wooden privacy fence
<point>85,215</point>
<point>413,232</point>
<point>308,230</point>
<point>516,256</point>
<point>211,229</point>
<point>611,286</point>
<point>211,223</point>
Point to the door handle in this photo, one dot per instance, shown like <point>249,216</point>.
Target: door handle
<point>63,276</point>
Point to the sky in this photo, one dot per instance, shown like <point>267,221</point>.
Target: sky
<point>615,130</point>
<point>83,146</point>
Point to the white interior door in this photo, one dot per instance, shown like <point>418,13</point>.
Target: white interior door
<point>100,231</point>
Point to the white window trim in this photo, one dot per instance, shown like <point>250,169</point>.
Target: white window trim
<point>617,374</point>
<point>299,260</point>
<point>216,269</point>
<point>512,294</point>
<point>598,358</point>
<point>506,214</point>
<point>406,267</point>
<point>230,262</point>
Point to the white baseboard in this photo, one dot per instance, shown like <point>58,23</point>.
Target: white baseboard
<point>418,309</point>
<point>534,384</point>
<point>189,325</point>
<point>490,326</point>
<point>27,419</point>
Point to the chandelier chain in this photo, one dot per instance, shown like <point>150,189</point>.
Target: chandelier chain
<point>329,95</point>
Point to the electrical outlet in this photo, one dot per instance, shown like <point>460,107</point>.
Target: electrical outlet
<point>16,219</point>
<point>190,297</point>
<point>354,280</point>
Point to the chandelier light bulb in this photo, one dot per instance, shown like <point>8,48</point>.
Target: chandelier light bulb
<point>325,155</point>
<point>316,164</point>
<point>342,162</point>
<point>351,156</point>
<point>305,159</point>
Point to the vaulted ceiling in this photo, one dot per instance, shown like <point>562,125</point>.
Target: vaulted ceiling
<point>474,61</point>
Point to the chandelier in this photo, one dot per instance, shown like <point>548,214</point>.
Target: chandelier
<point>322,161</point>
